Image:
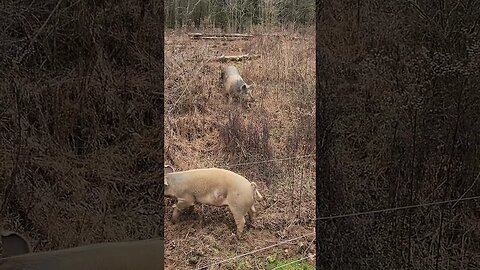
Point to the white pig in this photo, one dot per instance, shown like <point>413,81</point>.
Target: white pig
<point>234,84</point>
<point>217,187</point>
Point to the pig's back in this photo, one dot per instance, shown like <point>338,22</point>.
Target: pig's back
<point>214,177</point>
<point>231,70</point>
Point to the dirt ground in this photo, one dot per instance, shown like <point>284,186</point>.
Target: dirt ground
<point>204,129</point>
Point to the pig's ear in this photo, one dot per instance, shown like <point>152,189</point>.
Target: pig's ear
<point>14,244</point>
<point>168,169</point>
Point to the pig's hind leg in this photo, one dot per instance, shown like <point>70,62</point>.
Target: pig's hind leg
<point>251,214</point>
<point>239,217</point>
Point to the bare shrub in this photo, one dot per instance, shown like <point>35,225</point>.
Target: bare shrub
<point>246,139</point>
<point>302,139</point>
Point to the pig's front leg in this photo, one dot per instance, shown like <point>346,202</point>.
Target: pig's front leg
<point>179,207</point>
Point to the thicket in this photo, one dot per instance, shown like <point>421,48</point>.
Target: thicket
<point>238,15</point>
<point>399,121</point>
<point>81,120</point>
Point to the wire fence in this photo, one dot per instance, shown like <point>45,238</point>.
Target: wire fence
<point>393,209</point>
<point>274,245</point>
<point>256,250</point>
<point>342,216</point>
<point>292,190</point>
<point>399,208</point>
<point>267,161</point>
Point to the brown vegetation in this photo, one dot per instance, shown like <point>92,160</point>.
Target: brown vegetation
<point>81,121</point>
<point>202,129</point>
<point>399,107</point>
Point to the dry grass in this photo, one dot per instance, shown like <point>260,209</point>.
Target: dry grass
<point>203,129</point>
<point>400,120</point>
<point>80,123</point>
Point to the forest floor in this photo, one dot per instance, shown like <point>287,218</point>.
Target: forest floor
<point>204,129</point>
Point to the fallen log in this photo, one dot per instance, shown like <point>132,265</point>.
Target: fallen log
<point>287,36</point>
<point>218,36</point>
<point>221,38</point>
<point>225,58</point>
